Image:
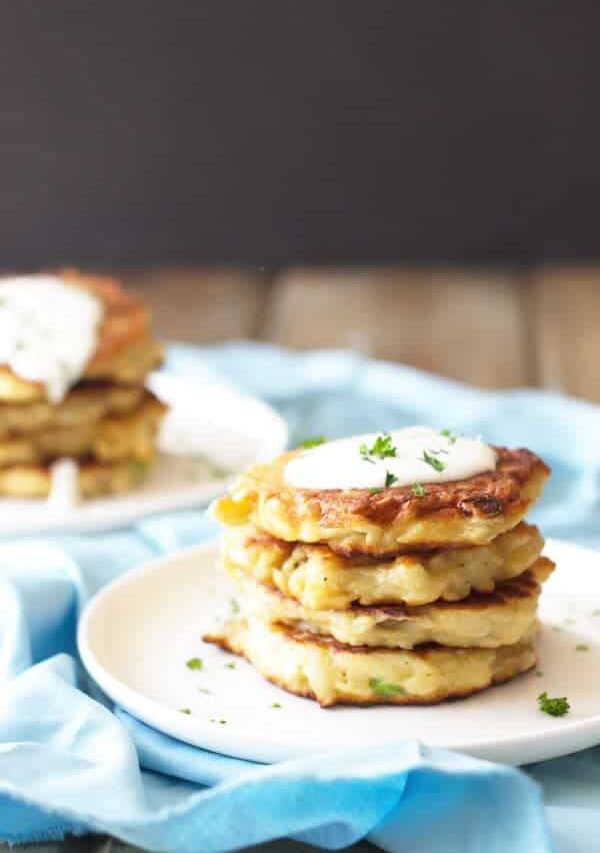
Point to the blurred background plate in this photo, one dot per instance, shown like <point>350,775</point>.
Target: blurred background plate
<point>210,432</point>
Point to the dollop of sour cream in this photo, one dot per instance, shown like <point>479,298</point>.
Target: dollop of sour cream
<point>48,330</point>
<point>64,485</point>
<point>409,456</point>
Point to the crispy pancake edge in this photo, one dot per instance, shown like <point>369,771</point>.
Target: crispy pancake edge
<point>393,521</point>
<point>525,586</point>
<point>411,579</point>
<point>529,653</point>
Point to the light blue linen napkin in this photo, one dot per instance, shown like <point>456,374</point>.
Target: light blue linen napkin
<point>69,762</point>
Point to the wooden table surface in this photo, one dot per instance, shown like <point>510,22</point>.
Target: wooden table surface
<point>492,328</point>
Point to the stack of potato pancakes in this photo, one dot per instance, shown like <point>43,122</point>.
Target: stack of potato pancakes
<point>103,418</point>
<point>395,593</point>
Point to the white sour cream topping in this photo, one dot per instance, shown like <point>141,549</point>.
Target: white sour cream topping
<point>48,330</point>
<point>64,489</point>
<point>340,464</point>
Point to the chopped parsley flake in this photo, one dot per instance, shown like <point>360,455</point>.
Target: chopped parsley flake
<point>313,442</point>
<point>435,463</point>
<point>447,433</point>
<point>275,705</point>
<point>235,607</point>
<point>539,673</point>
<point>204,690</point>
<point>595,612</point>
<point>203,462</point>
<point>194,663</point>
<point>390,479</point>
<point>385,690</point>
<point>417,490</point>
<point>230,665</point>
<point>382,448</point>
<point>582,647</point>
<point>557,707</point>
<point>139,467</point>
<point>376,490</point>
<point>185,710</point>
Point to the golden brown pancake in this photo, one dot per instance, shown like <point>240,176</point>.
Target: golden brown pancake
<point>321,668</point>
<point>124,351</point>
<point>490,620</point>
<point>96,479</point>
<point>393,520</point>
<point>321,579</point>
<point>86,404</point>
<point>114,437</point>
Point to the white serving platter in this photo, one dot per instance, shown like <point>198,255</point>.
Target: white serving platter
<point>136,635</point>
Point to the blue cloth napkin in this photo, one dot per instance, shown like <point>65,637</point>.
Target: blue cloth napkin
<point>70,763</point>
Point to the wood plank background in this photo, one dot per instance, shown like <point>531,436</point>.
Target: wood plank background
<point>494,328</point>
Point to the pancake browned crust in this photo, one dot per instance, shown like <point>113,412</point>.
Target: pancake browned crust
<point>465,512</point>
<point>114,437</point>
<point>321,668</point>
<point>500,618</point>
<point>321,579</point>
<point>86,404</point>
<point>124,351</point>
<point>96,479</point>
<point>113,453</point>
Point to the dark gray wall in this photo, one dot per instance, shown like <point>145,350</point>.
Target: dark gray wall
<point>270,132</point>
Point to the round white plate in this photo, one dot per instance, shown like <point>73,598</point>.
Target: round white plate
<point>210,432</point>
<point>136,635</point>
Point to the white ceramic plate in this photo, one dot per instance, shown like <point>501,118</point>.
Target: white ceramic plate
<point>209,432</point>
<point>136,635</point>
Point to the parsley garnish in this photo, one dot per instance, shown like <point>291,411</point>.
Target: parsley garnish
<point>276,705</point>
<point>447,433</point>
<point>139,467</point>
<point>582,647</point>
<point>230,665</point>
<point>556,707</point>
<point>390,479</point>
<point>313,442</point>
<point>436,464</point>
<point>539,673</point>
<point>382,448</point>
<point>202,463</point>
<point>194,663</point>
<point>185,710</point>
<point>387,691</point>
<point>235,607</point>
<point>376,490</point>
<point>417,490</point>
<point>595,612</point>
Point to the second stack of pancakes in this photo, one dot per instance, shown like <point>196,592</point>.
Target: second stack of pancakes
<point>106,421</point>
<point>405,595</point>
